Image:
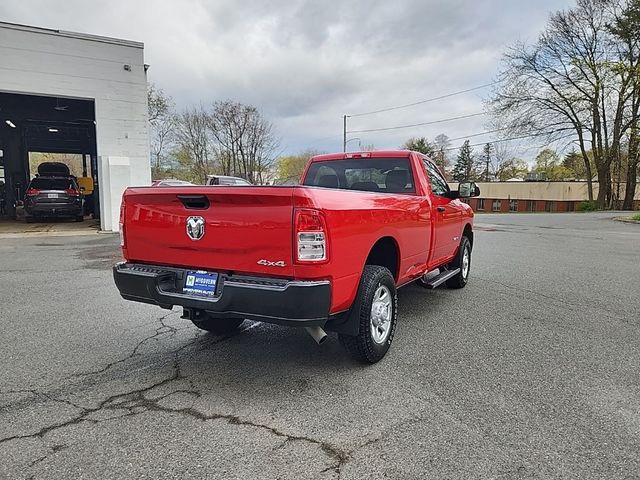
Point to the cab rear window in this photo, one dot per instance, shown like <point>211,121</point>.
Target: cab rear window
<point>390,175</point>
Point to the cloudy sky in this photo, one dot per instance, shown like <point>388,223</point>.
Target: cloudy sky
<point>307,63</point>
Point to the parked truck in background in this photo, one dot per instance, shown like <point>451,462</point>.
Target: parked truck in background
<point>327,255</point>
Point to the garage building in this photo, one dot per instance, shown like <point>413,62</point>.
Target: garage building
<point>72,93</point>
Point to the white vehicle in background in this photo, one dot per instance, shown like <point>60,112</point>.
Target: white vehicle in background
<point>170,182</point>
<point>226,180</point>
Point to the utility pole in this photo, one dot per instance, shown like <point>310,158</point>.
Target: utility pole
<point>344,133</point>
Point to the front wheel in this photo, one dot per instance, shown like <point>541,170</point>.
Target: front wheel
<point>218,326</point>
<point>463,262</point>
<point>377,302</point>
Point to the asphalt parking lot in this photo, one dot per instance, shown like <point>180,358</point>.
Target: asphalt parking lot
<point>532,371</point>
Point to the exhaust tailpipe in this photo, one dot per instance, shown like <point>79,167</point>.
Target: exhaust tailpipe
<point>317,333</point>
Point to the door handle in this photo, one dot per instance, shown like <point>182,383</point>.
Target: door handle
<point>440,209</point>
<point>194,202</point>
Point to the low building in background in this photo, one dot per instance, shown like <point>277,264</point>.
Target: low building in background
<point>535,196</point>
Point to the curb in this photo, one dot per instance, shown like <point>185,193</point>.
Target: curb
<point>46,234</point>
<point>626,220</point>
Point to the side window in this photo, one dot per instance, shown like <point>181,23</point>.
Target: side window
<point>438,184</point>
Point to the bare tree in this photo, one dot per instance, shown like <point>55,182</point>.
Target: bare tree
<point>161,122</point>
<point>246,140</point>
<point>503,165</point>
<point>441,146</point>
<point>569,85</point>
<point>162,136</point>
<point>626,31</point>
<point>196,145</point>
<point>158,103</point>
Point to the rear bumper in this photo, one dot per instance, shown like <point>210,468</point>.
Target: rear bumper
<point>54,209</point>
<point>280,301</point>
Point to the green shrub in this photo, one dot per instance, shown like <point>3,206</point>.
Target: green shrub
<point>636,217</point>
<point>586,206</point>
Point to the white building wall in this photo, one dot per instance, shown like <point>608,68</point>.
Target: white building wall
<point>64,64</point>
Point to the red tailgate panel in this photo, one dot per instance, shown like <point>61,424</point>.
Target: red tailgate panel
<point>243,225</point>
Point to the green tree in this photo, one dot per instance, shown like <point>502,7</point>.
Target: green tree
<point>511,168</point>
<point>548,162</point>
<point>465,168</point>
<point>487,152</point>
<point>420,144</point>
<point>545,160</point>
<point>292,166</point>
<point>574,163</point>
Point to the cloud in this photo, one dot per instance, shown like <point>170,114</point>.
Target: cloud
<point>306,63</point>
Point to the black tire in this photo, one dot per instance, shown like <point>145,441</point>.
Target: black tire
<point>461,279</point>
<point>218,326</point>
<point>29,219</point>
<point>364,347</point>
<point>80,218</point>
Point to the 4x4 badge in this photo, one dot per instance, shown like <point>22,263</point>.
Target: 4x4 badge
<point>268,263</point>
<point>195,228</point>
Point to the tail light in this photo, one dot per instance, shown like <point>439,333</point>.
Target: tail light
<point>310,236</point>
<point>72,192</point>
<point>122,214</point>
<point>32,192</point>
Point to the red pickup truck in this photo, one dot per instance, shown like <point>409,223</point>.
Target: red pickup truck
<point>326,255</point>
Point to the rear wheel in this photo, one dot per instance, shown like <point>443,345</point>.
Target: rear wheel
<point>463,262</point>
<point>80,218</point>
<point>377,303</point>
<point>219,326</point>
<point>29,219</point>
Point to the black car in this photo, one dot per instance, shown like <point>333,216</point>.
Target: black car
<point>53,197</point>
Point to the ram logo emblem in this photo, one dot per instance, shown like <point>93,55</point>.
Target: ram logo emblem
<point>195,228</point>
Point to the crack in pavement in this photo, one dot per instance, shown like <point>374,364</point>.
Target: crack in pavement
<point>53,450</point>
<point>161,330</point>
<point>36,393</point>
<point>135,402</point>
<point>158,332</point>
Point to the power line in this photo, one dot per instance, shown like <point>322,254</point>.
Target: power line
<point>502,140</point>
<point>478,134</point>
<point>423,101</point>
<point>418,124</point>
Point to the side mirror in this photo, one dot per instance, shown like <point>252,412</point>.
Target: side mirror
<point>468,189</point>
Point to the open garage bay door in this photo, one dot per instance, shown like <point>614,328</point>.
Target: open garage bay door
<point>34,129</point>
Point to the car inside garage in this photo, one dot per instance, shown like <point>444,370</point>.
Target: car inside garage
<point>37,131</point>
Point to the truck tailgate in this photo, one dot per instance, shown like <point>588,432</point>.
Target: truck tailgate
<point>246,229</point>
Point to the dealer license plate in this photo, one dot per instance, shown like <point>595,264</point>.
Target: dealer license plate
<point>200,283</point>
